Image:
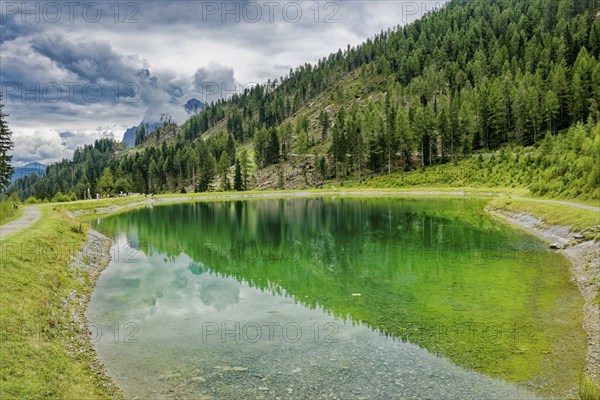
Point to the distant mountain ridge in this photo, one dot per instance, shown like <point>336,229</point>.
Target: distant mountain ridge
<point>27,169</point>
<point>192,107</point>
<point>129,135</point>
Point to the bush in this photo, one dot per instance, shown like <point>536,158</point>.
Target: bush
<point>62,198</point>
<point>32,200</point>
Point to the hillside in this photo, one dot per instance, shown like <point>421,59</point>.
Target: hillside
<point>479,93</point>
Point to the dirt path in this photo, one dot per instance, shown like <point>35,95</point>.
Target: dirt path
<point>566,203</point>
<point>30,216</point>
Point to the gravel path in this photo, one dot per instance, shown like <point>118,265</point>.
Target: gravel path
<point>31,216</point>
<point>566,203</point>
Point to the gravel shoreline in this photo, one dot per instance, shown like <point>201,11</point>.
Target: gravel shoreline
<point>89,263</point>
<point>584,257</point>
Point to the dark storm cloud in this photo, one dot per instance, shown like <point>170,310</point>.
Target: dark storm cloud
<point>89,60</point>
<point>11,28</point>
<point>66,134</point>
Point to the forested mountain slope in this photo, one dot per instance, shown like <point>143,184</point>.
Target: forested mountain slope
<point>480,92</point>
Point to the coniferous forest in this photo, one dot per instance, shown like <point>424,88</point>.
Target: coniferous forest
<point>479,93</point>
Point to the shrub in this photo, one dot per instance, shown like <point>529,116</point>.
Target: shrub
<point>32,200</point>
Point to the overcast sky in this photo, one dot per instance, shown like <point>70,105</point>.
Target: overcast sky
<point>74,71</point>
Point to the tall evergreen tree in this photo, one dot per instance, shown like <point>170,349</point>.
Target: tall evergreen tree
<point>238,181</point>
<point>223,171</point>
<point>140,135</point>
<point>231,149</point>
<point>273,147</point>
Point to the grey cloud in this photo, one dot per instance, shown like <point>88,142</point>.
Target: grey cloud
<point>66,134</point>
<point>214,82</point>
<point>11,28</point>
<point>89,60</point>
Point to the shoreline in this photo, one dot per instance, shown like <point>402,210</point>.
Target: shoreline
<point>108,210</point>
<point>90,261</point>
<point>584,261</point>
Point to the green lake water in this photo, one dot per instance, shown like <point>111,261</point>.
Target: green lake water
<point>334,298</point>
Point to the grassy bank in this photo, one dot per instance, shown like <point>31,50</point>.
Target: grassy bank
<point>8,212</point>
<point>40,355</point>
<point>579,219</point>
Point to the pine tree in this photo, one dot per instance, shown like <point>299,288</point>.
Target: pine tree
<point>551,110</point>
<point>231,149</point>
<point>285,135</point>
<point>245,168</point>
<point>140,135</point>
<point>238,181</point>
<point>273,147</point>
<point>404,135</point>
<point>324,121</point>
<point>594,40</point>
<point>581,85</point>
<point>497,115</point>
<point>206,169</point>
<point>223,170</point>
<point>6,144</point>
<point>261,143</point>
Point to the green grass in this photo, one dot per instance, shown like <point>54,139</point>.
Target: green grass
<point>578,219</point>
<point>101,208</point>
<point>551,213</point>
<point>41,356</point>
<point>588,389</point>
<point>6,218</point>
<point>8,212</point>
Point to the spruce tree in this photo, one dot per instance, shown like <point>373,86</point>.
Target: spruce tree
<point>238,182</point>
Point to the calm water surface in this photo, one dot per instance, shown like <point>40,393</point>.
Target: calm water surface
<point>334,298</point>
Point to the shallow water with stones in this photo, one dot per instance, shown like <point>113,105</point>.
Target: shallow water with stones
<point>333,298</point>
